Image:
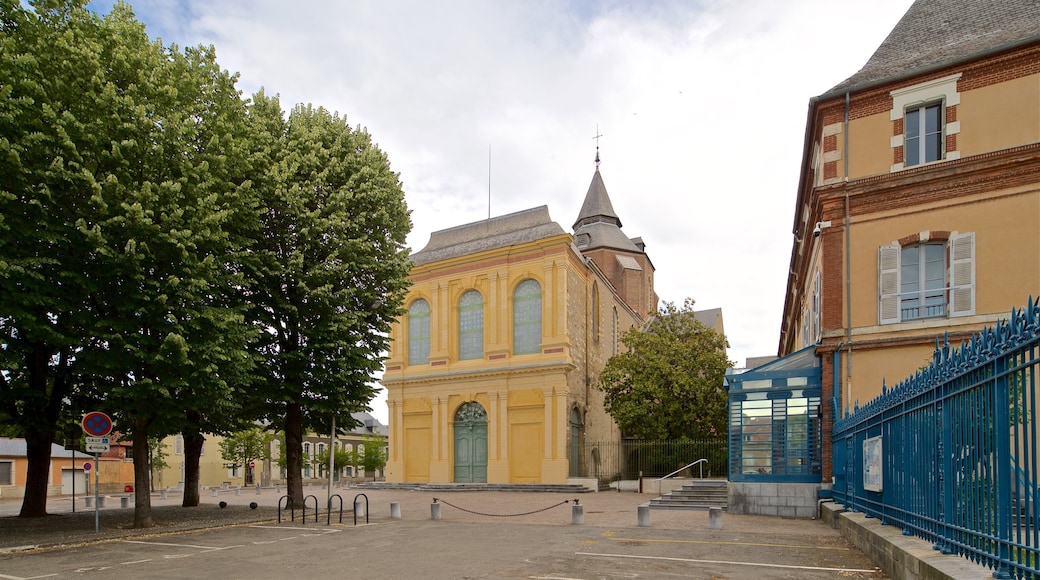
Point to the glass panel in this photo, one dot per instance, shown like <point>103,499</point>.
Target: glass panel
<point>932,147</point>
<point>471,326</point>
<point>912,131</point>
<point>910,282</point>
<point>527,317</point>
<point>471,411</point>
<point>797,381</point>
<point>759,384</point>
<point>419,333</point>
<point>935,280</point>
<point>756,437</point>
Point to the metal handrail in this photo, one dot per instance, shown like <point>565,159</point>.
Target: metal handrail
<point>687,467</point>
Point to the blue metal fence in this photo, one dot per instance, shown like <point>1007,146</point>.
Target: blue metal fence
<point>950,454</point>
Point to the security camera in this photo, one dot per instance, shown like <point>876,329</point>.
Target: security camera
<point>816,231</point>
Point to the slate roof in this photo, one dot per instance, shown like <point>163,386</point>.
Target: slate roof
<point>938,33</point>
<point>597,206</point>
<point>709,318</point>
<point>16,448</point>
<point>598,226</point>
<point>499,232</point>
<point>369,424</point>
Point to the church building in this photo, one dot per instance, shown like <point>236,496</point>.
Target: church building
<point>492,369</point>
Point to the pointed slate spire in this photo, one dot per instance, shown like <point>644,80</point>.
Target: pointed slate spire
<point>597,207</point>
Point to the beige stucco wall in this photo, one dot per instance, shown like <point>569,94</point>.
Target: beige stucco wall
<point>999,116</point>
<point>1007,251</point>
<point>870,150</point>
<point>529,398</point>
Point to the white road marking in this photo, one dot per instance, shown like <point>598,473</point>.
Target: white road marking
<point>755,564</point>
<point>181,545</point>
<point>6,577</point>
<point>136,562</point>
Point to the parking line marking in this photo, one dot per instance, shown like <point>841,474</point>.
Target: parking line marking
<point>727,543</point>
<point>754,564</point>
<point>136,562</point>
<point>6,577</point>
<point>211,548</point>
<point>312,530</point>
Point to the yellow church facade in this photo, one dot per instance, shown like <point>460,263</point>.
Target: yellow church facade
<point>491,372</point>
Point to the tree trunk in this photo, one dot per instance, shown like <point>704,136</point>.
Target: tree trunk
<point>142,499</point>
<point>42,411</point>
<point>38,473</point>
<point>192,453</point>
<point>294,453</point>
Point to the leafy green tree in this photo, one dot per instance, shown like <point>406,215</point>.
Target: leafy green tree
<point>669,382</point>
<point>328,271</point>
<point>50,60</point>
<point>156,459</point>
<point>122,169</point>
<point>242,447</point>
<point>371,454</point>
<point>340,459</point>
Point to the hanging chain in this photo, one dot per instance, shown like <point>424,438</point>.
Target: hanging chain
<point>435,500</point>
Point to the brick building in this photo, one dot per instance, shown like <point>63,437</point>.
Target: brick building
<point>918,204</point>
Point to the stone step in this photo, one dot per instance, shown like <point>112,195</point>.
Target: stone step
<point>528,487</point>
<point>655,504</point>
<point>695,495</point>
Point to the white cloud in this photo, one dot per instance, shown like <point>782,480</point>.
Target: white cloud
<point>702,108</point>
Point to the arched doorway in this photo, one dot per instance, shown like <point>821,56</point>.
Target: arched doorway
<point>575,425</point>
<point>471,428</point>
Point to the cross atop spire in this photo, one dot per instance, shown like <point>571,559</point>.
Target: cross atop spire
<point>596,137</point>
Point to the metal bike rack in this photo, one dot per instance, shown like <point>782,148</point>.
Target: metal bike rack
<point>289,505</point>
<point>366,507</point>
<point>315,508</point>
<point>340,498</point>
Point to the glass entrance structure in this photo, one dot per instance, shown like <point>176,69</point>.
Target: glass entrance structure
<point>775,419</point>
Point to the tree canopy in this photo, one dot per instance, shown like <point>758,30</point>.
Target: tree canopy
<point>328,270</point>
<point>174,255</point>
<point>669,382</point>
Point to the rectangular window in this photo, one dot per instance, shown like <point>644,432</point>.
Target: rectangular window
<point>817,327</point>
<point>178,445</point>
<point>927,280</point>
<point>922,281</point>
<point>6,473</point>
<point>923,129</point>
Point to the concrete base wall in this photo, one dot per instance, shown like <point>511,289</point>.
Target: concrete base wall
<point>657,487</point>
<point>901,557</point>
<point>787,500</point>
<point>589,482</point>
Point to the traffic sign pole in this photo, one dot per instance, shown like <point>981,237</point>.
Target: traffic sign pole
<point>97,508</point>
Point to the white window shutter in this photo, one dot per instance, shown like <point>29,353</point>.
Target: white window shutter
<point>888,283</point>
<point>962,274</point>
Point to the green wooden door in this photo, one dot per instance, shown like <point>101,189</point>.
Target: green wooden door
<point>471,428</point>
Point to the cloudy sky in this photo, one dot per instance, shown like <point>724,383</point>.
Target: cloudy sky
<point>492,105</point>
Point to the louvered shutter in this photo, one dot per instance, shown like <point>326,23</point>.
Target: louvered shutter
<point>962,274</point>
<point>888,283</point>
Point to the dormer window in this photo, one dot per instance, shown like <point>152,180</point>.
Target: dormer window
<point>924,123</point>
<point>923,128</point>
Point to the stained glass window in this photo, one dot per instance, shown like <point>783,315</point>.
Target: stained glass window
<point>527,317</point>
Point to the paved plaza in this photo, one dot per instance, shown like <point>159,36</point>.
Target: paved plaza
<point>478,535</point>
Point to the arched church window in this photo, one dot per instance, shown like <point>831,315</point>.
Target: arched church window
<point>471,411</point>
<point>527,317</point>
<point>471,325</point>
<point>419,332</point>
<point>595,311</point>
